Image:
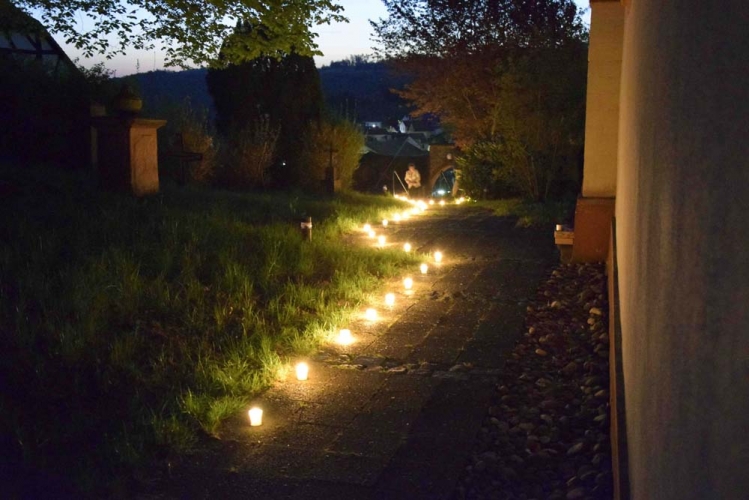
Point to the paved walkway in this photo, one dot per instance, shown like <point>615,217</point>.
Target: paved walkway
<point>394,415</point>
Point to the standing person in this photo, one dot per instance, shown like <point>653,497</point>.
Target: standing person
<point>413,180</point>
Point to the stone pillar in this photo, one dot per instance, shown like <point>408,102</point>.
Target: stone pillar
<point>127,154</point>
<point>595,207</point>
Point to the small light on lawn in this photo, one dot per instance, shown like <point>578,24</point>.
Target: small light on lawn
<point>384,223</point>
<point>371,314</point>
<point>256,417</point>
<point>407,247</point>
<point>390,299</point>
<point>431,202</point>
<point>438,257</point>
<point>372,234</point>
<point>345,337</point>
<point>415,211</point>
<point>406,216</point>
<point>424,268</point>
<point>367,227</point>
<point>442,203</point>
<point>408,283</point>
<point>302,371</point>
<point>381,240</point>
<point>397,217</point>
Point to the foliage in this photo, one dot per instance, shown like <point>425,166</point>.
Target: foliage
<point>130,326</point>
<point>533,213</point>
<point>334,141</point>
<point>284,91</point>
<point>507,78</point>
<point>196,136</point>
<point>247,155</point>
<point>191,31</point>
<point>44,114</point>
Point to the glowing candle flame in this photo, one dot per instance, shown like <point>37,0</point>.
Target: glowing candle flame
<point>424,268</point>
<point>407,247</point>
<point>367,227</point>
<point>381,241</point>
<point>345,337</point>
<point>442,203</point>
<point>302,371</point>
<point>372,234</point>
<point>390,299</point>
<point>256,417</point>
<point>438,256</point>
<point>371,314</point>
<point>408,283</point>
<point>431,202</point>
<point>384,223</point>
<point>397,217</point>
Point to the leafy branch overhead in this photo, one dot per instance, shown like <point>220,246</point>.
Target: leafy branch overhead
<point>191,31</point>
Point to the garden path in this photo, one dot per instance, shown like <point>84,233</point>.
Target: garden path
<point>395,414</point>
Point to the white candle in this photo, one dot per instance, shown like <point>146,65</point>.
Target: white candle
<point>397,217</point>
<point>438,256</point>
<point>408,283</point>
<point>390,299</point>
<point>371,314</point>
<point>302,371</point>
<point>424,268</point>
<point>345,337</point>
<point>367,227</point>
<point>256,417</point>
<point>558,227</point>
<point>442,203</point>
<point>372,234</point>
<point>384,223</point>
<point>431,202</point>
<point>381,240</point>
<point>407,247</point>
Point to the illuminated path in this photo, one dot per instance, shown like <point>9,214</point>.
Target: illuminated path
<point>396,414</point>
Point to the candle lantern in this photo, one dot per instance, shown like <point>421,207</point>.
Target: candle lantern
<point>381,240</point>
<point>302,371</point>
<point>408,283</point>
<point>345,337</point>
<point>367,228</point>
<point>256,417</point>
<point>438,257</point>
<point>390,299</point>
<point>384,223</point>
<point>424,268</point>
<point>407,247</point>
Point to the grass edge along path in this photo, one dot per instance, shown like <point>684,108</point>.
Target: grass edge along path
<point>131,326</point>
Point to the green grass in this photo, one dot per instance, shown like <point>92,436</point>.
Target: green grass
<point>129,327</point>
<point>530,213</point>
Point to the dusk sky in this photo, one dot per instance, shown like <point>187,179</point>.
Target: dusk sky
<point>337,41</point>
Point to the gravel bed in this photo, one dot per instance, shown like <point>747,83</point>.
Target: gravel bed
<point>546,435</point>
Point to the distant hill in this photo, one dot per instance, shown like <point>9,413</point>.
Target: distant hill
<point>355,88</point>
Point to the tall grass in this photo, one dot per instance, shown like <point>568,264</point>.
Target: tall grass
<point>129,327</point>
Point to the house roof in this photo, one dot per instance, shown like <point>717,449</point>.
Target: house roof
<point>23,37</point>
<point>398,147</point>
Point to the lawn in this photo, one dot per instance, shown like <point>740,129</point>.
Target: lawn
<point>131,327</point>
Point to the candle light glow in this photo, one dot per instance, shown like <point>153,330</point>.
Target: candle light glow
<point>345,337</point>
<point>407,247</point>
<point>390,299</point>
<point>438,257</point>
<point>424,268</point>
<point>408,283</point>
<point>381,240</point>
<point>302,371</point>
<point>371,314</point>
<point>256,417</point>
<point>367,227</point>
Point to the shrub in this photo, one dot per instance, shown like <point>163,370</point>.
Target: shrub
<point>247,155</point>
<point>336,141</point>
<point>189,130</point>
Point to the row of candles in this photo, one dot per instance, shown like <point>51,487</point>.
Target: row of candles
<point>345,337</point>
